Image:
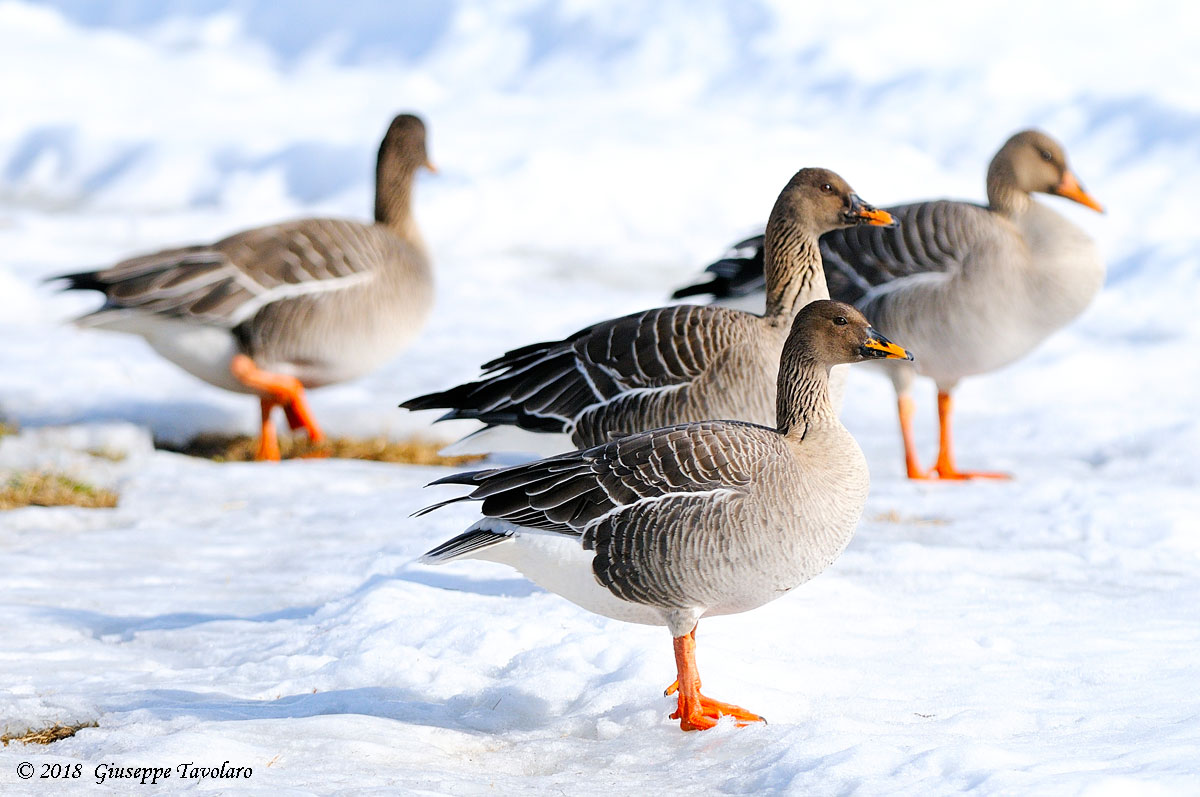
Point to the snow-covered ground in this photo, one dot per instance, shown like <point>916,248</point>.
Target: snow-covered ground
<point>1034,637</point>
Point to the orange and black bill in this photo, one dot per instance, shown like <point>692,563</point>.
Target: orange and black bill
<point>880,348</point>
<point>862,213</point>
<point>1071,189</point>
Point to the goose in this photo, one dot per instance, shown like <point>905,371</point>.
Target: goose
<point>667,526</point>
<point>973,288</point>
<point>663,366</point>
<point>274,310</point>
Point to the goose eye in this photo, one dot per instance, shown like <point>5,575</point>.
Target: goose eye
<point>840,320</point>
<point>827,188</point>
<point>1046,156</point>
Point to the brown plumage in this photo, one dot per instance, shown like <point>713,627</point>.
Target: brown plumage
<point>669,365</point>
<point>275,309</point>
<point>971,287</point>
<point>670,525</point>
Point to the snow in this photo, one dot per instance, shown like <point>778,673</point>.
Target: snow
<point>1033,637</point>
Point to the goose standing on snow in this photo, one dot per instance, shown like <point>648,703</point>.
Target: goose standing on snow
<point>972,288</point>
<point>671,525</point>
<point>664,366</point>
<point>273,310</point>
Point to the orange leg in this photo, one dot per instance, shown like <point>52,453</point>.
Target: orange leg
<point>268,442</point>
<point>945,468</point>
<point>674,687</point>
<point>276,389</point>
<point>295,422</point>
<point>696,712</point>
<point>300,416</point>
<point>906,407</point>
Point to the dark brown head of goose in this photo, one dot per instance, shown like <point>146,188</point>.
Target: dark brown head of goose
<point>400,155</point>
<point>1033,161</point>
<point>820,200</point>
<point>831,333</point>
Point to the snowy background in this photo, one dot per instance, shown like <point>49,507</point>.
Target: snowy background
<point>1034,637</point>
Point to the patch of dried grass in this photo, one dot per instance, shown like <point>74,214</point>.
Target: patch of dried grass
<point>49,735</point>
<point>241,448</point>
<point>36,488</point>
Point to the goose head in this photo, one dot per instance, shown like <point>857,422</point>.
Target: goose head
<point>831,333</point>
<point>404,143</point>
<point>824,333</point>
<point>813,202</point>
<point>1032,161</point>
<point>400,155</point>
<point>819,200</point>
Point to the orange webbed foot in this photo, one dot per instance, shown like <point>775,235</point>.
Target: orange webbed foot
<point>694,711</point>
<point>945,468</point>
<point>276,390</point>
<point>918,475</point>
<point>953,474</point>
<point>704,712</point>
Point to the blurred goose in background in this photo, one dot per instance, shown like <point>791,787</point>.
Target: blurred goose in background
<point>273,310</point>
<point>671,525</point>
<point>664,366</point>
<point>972,288</point>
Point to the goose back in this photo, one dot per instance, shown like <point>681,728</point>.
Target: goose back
<point>677,518</point>
<point>1000,283</point>
<point>669,365</point>
<point>639,371</point>
<point>714,517</point>
<point>291,294</point>
<point>322,300</point>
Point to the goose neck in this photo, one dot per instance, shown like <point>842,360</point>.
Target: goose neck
<point>802,397</point>
<point>1004,196</point>
<point>793,269</point>
<point>393,197</point>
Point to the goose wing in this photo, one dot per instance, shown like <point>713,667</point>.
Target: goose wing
<point>739,272</point>
<point>548,386</point>
<point>227,282</point>
<point>644,503</point>
<point>934,236</point>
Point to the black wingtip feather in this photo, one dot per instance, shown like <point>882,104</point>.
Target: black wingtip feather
<point>465,543</point>
<point>426,510</point>
<point>81,281</point>
<point>716,286</point>
<point>468,477</point>
<point>436,401</point>
<point>737,274</point>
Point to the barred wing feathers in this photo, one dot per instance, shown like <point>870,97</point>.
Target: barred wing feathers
<point>932,236</point>
<point>228,282</point>
<point>650,505</point>
<point>549,386</point>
